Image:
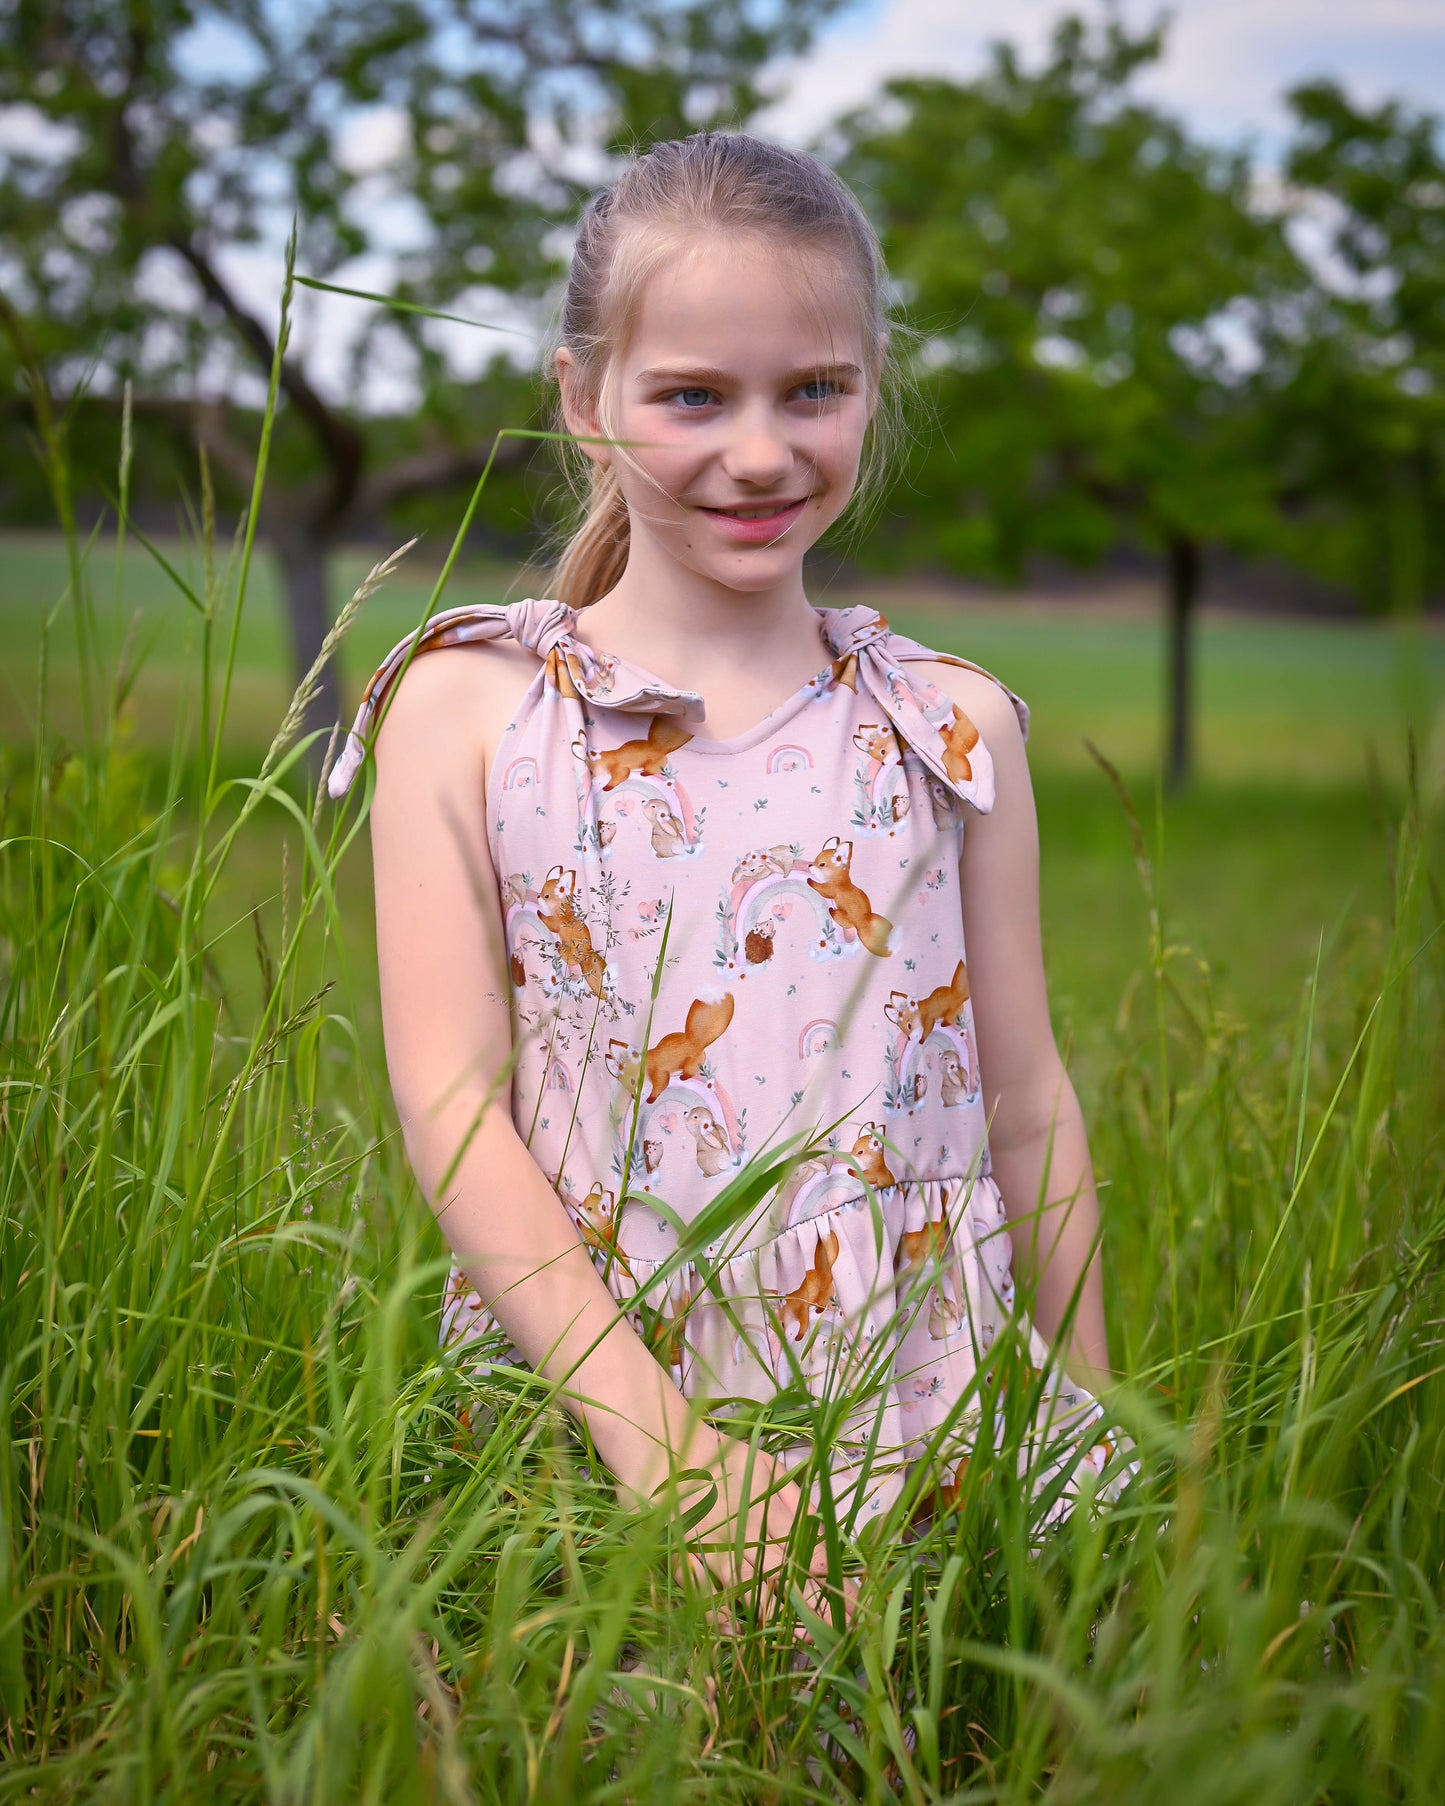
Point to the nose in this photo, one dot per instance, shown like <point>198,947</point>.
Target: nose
<point>758,451</point>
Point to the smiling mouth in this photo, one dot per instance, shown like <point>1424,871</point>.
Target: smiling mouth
<point>767,512</point>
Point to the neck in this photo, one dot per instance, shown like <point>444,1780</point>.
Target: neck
<point>687,628</point>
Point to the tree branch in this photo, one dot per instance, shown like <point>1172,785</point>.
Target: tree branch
<point>428,470</point>
<point>202,422</point>
<point>225,452</point>
<point>340,443</point>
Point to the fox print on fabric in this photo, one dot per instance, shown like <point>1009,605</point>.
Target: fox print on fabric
<point>950,1490</point>
<point>814,1292</point>
<point>665,1334</point>
<point>916,1247</point>
<point>943,1005</point>
<point>679,1055</point>
<point>960,737</point>
<point>559,910</point>
<point>848,904</point>
<point>868,1151</point>
<point>876,743</point>
<point>634,758</point>
<point>742,944</point>
<point>596,1219</point>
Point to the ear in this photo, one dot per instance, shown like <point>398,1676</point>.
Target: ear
<point>579,415</point>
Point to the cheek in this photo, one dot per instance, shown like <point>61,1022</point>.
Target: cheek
<point>837,444</point>
<point>667,461</point>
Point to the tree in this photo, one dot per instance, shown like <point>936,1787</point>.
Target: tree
<point>1089,286</point>
<point>166,132</point>
<point>1362,417</point>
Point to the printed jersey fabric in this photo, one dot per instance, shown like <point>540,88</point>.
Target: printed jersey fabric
<point>800,886</point>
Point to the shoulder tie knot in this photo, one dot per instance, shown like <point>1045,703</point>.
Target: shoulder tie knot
<point>542,626</point>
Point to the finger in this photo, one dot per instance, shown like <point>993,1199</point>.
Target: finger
<point>692,1574</point>
<point>821,1596</point>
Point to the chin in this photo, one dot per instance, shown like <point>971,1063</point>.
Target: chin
<point>755,580</point>
<point>759,567</point>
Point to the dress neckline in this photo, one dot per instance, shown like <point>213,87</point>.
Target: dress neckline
<point>614,682</point>
<point>817,685</point>
<point>866,658</point>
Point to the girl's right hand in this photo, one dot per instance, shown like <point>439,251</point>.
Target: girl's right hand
<point>743,1539</point>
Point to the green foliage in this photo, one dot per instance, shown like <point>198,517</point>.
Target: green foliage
<point>1360,432</point>
<point>167,135</point>
<point>259,1539</point>
<point>1124,334</point>
<point>1092,290</point>
<point>1080,273</point>
<point>186,127</point>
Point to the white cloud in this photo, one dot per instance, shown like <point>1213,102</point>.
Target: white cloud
<point>1226,66</point>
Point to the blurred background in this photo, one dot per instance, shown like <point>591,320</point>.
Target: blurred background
<point>1177,290</point>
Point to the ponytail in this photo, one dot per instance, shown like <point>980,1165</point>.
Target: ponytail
<point>595,556</point>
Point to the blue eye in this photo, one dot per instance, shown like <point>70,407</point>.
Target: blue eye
<point>821,389</point>
<point>693,398</point>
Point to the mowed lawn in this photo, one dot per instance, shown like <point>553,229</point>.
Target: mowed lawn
<point>1279,852</point>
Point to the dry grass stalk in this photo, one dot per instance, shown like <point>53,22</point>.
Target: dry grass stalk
<point>305,695</point>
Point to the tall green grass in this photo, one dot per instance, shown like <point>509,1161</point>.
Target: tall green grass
<point>256,1544</point>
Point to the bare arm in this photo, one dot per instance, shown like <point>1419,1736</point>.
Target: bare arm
<point>443,965</point>
<point>1037,1142</point>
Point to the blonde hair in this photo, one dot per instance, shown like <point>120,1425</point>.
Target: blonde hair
<point>724,182</point>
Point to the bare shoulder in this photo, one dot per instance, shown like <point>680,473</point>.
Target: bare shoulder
<point>452,705</point>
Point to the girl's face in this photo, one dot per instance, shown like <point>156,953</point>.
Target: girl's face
<point>745,393</point>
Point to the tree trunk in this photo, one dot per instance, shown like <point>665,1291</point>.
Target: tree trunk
<point>303,554</point>
<point>1184,572</point>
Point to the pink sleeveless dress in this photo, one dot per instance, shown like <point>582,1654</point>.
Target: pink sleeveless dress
<point>726,952</point>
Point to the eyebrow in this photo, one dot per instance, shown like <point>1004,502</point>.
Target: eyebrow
<point>691,373</point>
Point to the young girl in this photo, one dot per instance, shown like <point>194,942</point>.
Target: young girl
<point>677,870</point>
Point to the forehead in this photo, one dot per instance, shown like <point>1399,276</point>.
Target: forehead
<point>749,303</point>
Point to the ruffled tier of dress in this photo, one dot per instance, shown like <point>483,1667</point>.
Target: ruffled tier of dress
<point>885,1302</point>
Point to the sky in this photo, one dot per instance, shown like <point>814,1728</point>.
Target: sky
<point>1226,67</point>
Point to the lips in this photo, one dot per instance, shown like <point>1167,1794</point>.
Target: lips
<point>750,527</point>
